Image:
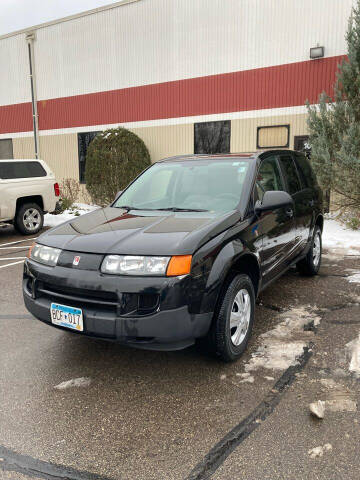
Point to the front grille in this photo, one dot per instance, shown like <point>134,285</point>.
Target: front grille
<point>78,296</point>
<point>128,304</point>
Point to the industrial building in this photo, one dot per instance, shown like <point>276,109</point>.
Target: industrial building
<point>185,75</point>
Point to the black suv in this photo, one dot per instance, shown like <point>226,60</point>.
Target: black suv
<point>182,252</point>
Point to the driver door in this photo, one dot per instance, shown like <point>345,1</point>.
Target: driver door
<point>277,227</point>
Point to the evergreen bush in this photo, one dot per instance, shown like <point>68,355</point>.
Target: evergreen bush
<point>114,158</point>
<point>334,127</point>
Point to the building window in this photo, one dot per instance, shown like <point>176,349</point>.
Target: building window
<point>6,149</point>
<point>84,140</point>
<point>212,137</point>
<point>273,136</point>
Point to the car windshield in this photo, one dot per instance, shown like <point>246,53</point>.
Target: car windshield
<point>194,185</point>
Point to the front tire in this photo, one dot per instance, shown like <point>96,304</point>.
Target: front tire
<point>234,318</point>
<point>310,265</point>
<point>29,219</point>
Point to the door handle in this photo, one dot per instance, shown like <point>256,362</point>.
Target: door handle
<point>289,212</point>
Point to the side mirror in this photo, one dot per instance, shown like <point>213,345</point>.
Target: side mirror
<point>118,195</point>
<point>273,199</point>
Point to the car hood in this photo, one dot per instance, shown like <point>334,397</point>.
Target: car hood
<point>113,230</point>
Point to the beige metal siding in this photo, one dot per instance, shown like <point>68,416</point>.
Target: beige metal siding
<point>168,140</point>
<point>60,152</point>
<point>243,132</point>
<point>23,147</point>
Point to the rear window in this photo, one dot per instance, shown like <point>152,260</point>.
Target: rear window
<point>289,168</point>
<point>10,170</point>
<point>306,169</point>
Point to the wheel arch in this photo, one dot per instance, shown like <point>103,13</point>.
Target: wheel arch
<point>245,262</point>
<point>30,199</point>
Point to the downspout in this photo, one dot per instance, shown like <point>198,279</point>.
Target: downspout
<point>30,37</point>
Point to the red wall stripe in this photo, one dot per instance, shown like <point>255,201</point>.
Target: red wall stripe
<point>261,88</point>
<point>16,118</point>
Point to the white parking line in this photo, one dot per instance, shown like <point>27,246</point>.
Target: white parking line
<point>10,258</point>
<point>18,241</point>
<point>10,264</point>
<point>14,248</point>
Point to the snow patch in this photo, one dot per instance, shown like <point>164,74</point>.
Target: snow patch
<point>317,408</point>
<point>339,240</point>
<point>74,382</point>
<point>353,351</point>
<point>77,209</point>
<point>282,345</point>
<point>319,451</point>
<point>355,278</point>
<point>246,377</point>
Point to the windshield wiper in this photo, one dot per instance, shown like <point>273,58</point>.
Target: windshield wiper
<point>126,207</point>
<point>178,209</point>
<point>167,209</point>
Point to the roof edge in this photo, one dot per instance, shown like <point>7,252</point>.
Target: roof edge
<point>68,18</point>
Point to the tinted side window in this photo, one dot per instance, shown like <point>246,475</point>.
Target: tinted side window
<point>269,177</point>
<point>305,168</point>
<point>9,170</point>
<point>291,174</point>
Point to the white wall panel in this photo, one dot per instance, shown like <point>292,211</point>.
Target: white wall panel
<point>154,41</point>
<point>14,71</point>
<point>161,40</point>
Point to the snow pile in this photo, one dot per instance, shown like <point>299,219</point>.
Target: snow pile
<point>340,240</point>
<point>74,382</point>
<point>319,451</point>
<point>318,408</point>
<point>353,351</point>
<point>355,278</point>
<point>281,346</point>
<point>246,377</point>
<point>77,209</point>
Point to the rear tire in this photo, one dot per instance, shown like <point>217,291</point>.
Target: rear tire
<point>29,219</point>
<point>233,320</point>
<point>310,265</point>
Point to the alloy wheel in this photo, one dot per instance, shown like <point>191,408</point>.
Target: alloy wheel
<point>31,219</point>
<point>316,249</point>
<point>240,316</point>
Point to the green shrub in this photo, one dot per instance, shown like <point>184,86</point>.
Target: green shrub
<point>114,158</point>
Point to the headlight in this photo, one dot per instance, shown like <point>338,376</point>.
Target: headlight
<point>46,255</point>
<point>143,265</point>
<point>134,265</point>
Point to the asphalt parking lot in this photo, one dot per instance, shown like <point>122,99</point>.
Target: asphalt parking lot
<point>183,415</point>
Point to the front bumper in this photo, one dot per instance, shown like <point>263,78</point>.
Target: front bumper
<point>144,312</point>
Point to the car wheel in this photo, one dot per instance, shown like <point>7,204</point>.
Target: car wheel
<point>310,265</point>
<point>234,318</point>
<point>29,219</point>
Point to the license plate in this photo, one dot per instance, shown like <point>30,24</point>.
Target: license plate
<point>68,317</point>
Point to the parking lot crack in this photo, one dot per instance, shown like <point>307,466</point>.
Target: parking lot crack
<point>11,461</point>
<point>218,454</point>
